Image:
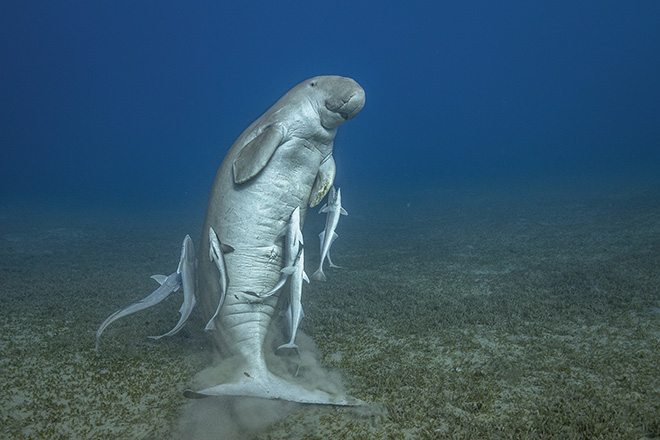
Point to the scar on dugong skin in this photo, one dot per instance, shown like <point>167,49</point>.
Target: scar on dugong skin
<point>280,163</point>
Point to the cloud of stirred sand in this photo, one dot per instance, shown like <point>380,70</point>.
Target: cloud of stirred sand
<point>229,418</point>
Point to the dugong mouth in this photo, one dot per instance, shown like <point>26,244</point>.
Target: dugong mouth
<point>348,107</point>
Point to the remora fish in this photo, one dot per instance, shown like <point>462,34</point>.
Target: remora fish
<point>216,254</point>
<point>295,312</point>
<point>185,274</point>
<point>293,238</point>
<point>188,280</point>
<point>328,236</point>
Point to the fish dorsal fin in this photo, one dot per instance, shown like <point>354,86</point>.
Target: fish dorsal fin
<point>160,279</point>
<point>226,249</point>
<point>289,270</point>
<point>254,156</point>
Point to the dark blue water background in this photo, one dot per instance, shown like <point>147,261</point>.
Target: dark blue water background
<point>136,103</point>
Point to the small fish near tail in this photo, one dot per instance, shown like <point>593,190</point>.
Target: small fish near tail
<point>187,270</point>
<point>216,254</point>
<point>184,276</point>
<point>293,239</point>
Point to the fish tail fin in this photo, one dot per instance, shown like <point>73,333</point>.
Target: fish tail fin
<point>319,275</point>
<point>210,325</point>
<point>331,263</point>
<point>289,345</point>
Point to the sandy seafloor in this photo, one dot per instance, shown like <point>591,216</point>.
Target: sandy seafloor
<point>496,311</point>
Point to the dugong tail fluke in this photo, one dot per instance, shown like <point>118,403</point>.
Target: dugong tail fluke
<point>269,386</point>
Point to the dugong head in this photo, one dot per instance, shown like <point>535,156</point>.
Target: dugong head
<point>336,99</point>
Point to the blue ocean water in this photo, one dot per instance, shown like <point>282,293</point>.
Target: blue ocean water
<point>137,102</point>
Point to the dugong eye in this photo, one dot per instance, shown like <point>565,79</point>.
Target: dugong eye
<point>312,84</point>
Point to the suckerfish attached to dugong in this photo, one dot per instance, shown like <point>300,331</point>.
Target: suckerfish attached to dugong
<point>281,162</point>
<point>184,276</point>
<point>328,235</point>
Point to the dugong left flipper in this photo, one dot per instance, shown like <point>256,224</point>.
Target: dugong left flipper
<point>185,275</point>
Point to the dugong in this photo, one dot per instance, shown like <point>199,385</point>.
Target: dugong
<point>281,162</point>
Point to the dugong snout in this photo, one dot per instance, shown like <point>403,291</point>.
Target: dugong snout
<point>349,108</point>
<point>345,101</point>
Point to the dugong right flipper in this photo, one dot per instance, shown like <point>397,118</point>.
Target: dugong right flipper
<point>323,182</point>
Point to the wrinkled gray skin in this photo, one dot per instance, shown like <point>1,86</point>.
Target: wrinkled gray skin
<point>283,160</point>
